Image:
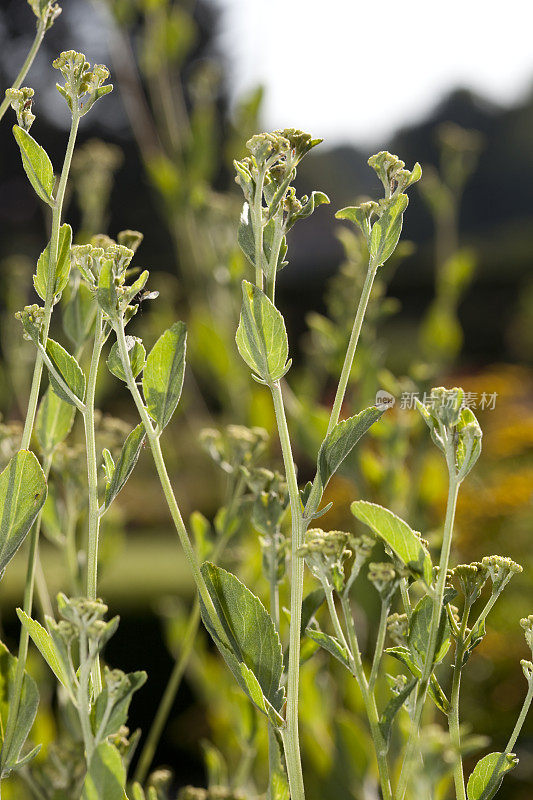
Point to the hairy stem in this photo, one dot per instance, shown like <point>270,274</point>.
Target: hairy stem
<point>380,642</point>
<point>453,716</point>
<point>438,594</point>
<point>92,479</point>
<point>290,735</point>
<point>32,52</point>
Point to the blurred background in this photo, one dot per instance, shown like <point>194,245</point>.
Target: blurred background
<point>194,79</point>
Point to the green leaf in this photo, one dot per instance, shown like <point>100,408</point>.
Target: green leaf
<point>435,692</point>
<point>27,709</point>
<point>316,199</point>
<point>54,421</point>
<point>419,632</point>
<point>392,708</point>
<point>137,356</point>
<point>397,534</point>
<point>163,374</point>
<point>44,643</point>
<point>126,462</point>
<point>106,294</point>
<point>342,439</point>
<point>62,266</point>
<point>36,163</point>
<point>106,776</point>
<point>245,235</point>
<point>386,230</point>
<point>79,315</point>
<point>488,775</point>
<point>69,370</point>
<point>331,644</point>
<point>251,642</point>
<point>261,336</point>
<point>22,494</point>
<point>120,704</point>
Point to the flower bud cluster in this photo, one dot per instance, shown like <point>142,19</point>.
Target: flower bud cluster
<point>392,173</point>
<point>32,319</point>
<point>471,579</point>
<point>527,625</point>
<point>21,101</point>
<point>89,258</point>
<point>234,447</point>
<point>398,628</point>
<point>81,82</point>
<point>46,11</point>
<point>500,570</point>
<point>385,577</point>
<point>325,553</point>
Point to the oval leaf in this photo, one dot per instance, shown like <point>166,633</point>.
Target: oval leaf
<point>397,534</point>
<point>45,644</point>
<point>344,436</point>
<point>22,494</point>
<point>106,776</point>
<point>488,775</point>
<point>62,267</point>
<point>36,163</point>
<point>27,709</point>
<point>54,421</point>
<point>386,230</point>
<point>261,336</point>
<point>251,637</point>
<point>163,374</point>
<point>69,370</point>
<point>137,355</point>
<point>126,462</point>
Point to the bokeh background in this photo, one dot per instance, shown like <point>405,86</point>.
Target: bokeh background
<point>450,87</point>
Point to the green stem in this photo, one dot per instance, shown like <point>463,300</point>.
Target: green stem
<point>521,719</point>
<point>453,716</point>
<point>290,734</point>
<point>92,480</point>
<point>380,746</point>
<point>438,594</point>
<point>380,642</point>
<point>153,439</point>
<point>352,346</point>
<point>257,212</point>
<point>82,698</point>
<point>32,52</point>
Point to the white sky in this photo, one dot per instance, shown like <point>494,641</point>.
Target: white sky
<point>355,70</point>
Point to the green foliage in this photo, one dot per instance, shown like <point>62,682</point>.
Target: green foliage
<point>137,357</point>
<point>163,374</point>
<point>54,421</point>
<point>29,700</point>
<point>340,442</point>
<point>106,776</point>
<point>488,775</point>
<point>61,269</point>
<point>261,335</point>
<point>37,165</point>
<point>402,540</point>
<point>22,494</point>
<point>67,379</point>
<point>118,474</point>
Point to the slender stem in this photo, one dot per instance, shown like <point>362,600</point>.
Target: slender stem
<point>521,719</point>
<point>352,346</point>
<point>438,594</point>
<point>453,716</point>
<point>273,583</point>
<point>83,698</point>
<point>290,735</point>
<point>92,480</point>
<point>32,52</point>
<point>155,446</point>
<point>335,617</point>
<point>380,746</point>
<point>380,642</point>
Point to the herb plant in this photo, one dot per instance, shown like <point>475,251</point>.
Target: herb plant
<point>99,291</point>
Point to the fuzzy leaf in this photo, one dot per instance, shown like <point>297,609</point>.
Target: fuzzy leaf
<point>435,691</point>
<point>339,443</point>
<point>261,336</point>
<point>106,776</point>
<point>164,372</point>
<point>62,267</point>
<point>79,315</point>
<point>29,700</point>
<point>488,775</point>
<point>419,631</point>
<point>54,421</point>
<point>106,294</point>
<point>397,535</point>
<point>119,714</point>
<point>137,356</point>
<point>45,644</point>
<point>22,494</point>
<point>125,464</point>
<point>392,708</point>
<point>386,231</point>
<point>36,163</point>
<point>331,644</point>
<point>70,371</point>
<point>251,638</point>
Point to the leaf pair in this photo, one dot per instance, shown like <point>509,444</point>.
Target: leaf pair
<point>251,647</point>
